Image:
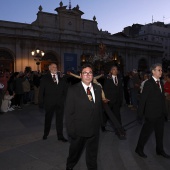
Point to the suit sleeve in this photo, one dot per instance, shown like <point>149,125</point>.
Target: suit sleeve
<point>121,93</point>
<point>64,90</point>
<point>105,88</point>
<point>69,111</point>
<point>164,99</point>
<point>143,97</point>
<point>41,92</point>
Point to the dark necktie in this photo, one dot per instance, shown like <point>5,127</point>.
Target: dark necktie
<point>54,78</point>
<point>89,94</point>
<point>116,82</point>
<point>158,84</point>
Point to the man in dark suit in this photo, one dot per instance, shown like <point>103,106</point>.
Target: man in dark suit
<point>114,93</point>
<point>83,109</point>
<point>52,94</point>
<point>152,106</point>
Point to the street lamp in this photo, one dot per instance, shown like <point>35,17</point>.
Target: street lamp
<point>37,54</point>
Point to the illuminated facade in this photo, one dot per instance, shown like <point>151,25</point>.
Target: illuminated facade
<point>67,40</point>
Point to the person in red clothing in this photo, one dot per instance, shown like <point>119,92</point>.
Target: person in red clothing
<point>167,94</point>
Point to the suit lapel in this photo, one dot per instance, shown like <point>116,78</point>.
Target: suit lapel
<point>50,77</point>
<point>162,86</point>
<point>156,86</point>
<point>82,91</point>
<point>113,83</point>
<point>96,92</point>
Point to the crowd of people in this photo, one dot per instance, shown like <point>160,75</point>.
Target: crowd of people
<point>89,101</point>
<point>19,89</point>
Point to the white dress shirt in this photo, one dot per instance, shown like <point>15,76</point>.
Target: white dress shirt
<point>159,82</point>
<point>113,77</point>
<point>56,77</point>
<point>91,89</point>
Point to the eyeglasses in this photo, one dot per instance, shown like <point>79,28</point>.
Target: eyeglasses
<point>87,73</point>
<point>158,70</point>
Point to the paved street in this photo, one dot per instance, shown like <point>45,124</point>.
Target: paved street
<point>22,147</point>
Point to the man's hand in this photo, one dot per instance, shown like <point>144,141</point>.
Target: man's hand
<point>68,72</point>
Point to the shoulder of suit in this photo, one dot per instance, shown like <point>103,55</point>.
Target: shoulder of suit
<point>109,79</point>
<point>95,85</point>
<point>46,76</point>
<point>74,86</point>
<point>149,81</point>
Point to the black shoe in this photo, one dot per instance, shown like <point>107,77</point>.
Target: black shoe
<point>63,139</point>
<point>163,154</point>
<point>69,168</point>
<point>120,133</point>
<point>141,153</point>
<point>44,137</point>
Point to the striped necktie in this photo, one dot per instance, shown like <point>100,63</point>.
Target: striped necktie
<point>89,94</point>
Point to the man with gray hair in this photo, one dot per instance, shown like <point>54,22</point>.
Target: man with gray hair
<point>152,106</point>
<point>52,94</point>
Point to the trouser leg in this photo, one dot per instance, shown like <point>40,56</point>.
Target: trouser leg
<point>48,119</point>
<point>76,148</point>
<point>159,132</point>
<point>146,131</point>
<point>59,121</point>
<point>91,152</point>
<point>115,108</point>
<point>111,116</point>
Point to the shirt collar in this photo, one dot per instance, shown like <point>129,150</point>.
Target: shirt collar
<point>155,78</point>
<point>113,76</point>
<point>85,86</point>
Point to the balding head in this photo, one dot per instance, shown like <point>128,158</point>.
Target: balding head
<point>53,68</point>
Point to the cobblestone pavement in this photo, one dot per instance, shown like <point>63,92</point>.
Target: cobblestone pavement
<point>22,147</point>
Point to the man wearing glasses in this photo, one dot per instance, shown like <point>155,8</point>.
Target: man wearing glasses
<point>152,106</point>
<point>83,119</point>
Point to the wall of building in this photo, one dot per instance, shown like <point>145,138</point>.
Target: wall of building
<point>67,33</point>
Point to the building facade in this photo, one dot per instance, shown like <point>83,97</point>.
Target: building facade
<point>69,40</point>
<point>157,32</point>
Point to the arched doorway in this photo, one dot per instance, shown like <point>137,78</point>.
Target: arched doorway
<point>48,58</point>
<point>6,61</point>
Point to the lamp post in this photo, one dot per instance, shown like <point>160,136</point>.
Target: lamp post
<point>37,54</point>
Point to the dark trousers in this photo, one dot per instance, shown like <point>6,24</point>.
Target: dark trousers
<point>26,97</point>
<point>111,116</point>
<point>18,99</point>
<point>50,110</point>
<point>126,96</point>
<point>77,146</point>
<point>115,108</point>
<point>150,125</point>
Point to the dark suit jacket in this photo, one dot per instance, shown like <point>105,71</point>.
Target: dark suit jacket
<point>152,101</point>
<point>83,118</point>
<point>112,92</point>
<point>51,93</point>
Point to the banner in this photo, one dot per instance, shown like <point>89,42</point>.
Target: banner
<point>70,62</point>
